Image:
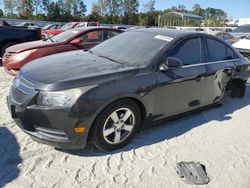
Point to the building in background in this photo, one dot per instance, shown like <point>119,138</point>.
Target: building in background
<point>238,21</point>
<point>179,19</point>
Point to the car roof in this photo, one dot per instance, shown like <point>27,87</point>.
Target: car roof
<point>93,28</point>
<point>173,33</point>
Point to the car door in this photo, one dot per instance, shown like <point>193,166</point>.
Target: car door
<point>219,61</point>
<point>91,38</point>
<point>179,90</point>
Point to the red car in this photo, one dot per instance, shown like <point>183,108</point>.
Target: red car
<point>70,25</point>
<point>74,39</point>
<point>52,32</point>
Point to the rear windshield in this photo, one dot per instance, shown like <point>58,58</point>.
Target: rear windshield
<point>64,35</point>
<point>132,48</point>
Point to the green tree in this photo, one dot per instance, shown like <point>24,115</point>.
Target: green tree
<point>179,8</point>
<point>130,9</point>
<point>25,9</point>
<point>9,7</point>
<point>94,14</point>
<point>198,10</point>
<point>116,11</point>
<point>37,4</point>
<point>1,13</point>
<point>149,17</point>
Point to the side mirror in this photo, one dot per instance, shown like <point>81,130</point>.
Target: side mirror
<point>76,41</point>
<point>171,63</point>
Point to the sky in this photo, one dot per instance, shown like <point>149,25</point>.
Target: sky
<point>234,8</point>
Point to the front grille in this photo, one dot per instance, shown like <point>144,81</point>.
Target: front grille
<point>20,90</point>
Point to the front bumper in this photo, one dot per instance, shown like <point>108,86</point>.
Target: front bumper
<point>51,126</point>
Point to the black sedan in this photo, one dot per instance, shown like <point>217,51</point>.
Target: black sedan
<point>104,95</point>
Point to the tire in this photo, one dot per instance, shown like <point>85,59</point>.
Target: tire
<point>106,131</point>
<point>7,45</point>
<point>238,89</point>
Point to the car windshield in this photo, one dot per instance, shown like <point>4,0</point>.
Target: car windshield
<point>133,48</point>
<point>67,26</point>
<point>47,26</point>
<point>84,24</point>
<point>64,35</point>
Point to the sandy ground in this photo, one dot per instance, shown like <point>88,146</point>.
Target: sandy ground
<point>219,138</point>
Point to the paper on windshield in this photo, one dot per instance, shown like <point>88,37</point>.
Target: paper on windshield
<point>162,37</point>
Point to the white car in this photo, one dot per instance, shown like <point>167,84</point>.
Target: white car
<point>28,24</point>
<point>243,46</point>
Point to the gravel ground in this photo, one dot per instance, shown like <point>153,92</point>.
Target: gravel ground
<point>219,138</point>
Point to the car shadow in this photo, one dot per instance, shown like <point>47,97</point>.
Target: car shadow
<point>9,157</point>
<point>174,128</point>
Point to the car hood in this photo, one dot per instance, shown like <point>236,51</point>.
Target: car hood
<point>242,44</point>
<point>73,69</point>
<point>30,45</point>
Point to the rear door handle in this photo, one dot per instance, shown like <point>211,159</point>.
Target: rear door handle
<point>199,78</point>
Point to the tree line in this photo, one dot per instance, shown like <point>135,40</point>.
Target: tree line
<point>104,11</point>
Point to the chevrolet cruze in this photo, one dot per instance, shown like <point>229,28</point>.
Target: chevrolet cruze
<point>106,94</point>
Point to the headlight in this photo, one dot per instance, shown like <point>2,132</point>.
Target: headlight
<point>21,56</point>
<point>65,98</point>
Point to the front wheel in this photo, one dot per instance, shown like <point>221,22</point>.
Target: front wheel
<point>116,125</point>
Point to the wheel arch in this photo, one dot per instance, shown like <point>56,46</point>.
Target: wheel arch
<point>139,102</point>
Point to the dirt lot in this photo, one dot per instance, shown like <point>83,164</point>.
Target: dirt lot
<point>219,138</point>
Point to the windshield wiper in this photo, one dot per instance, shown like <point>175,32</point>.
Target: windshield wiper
<point>106,57</point>
<point>47,35</point>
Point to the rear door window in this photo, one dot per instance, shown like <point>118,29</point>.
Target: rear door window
<point>217,51</point>
<point>188,51</point>
<point>93,36</point>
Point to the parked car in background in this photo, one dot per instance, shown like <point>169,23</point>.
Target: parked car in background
<point>73,39</point>
<point>10,35</point>
<point>28,24</point>
<point>141,76</point>
<point>241,31</point>
<point>3,23</point>
<point>88,24</point>
<point>52,26</point>
<point>52,32</point>
<point>243,46</point>
<point>120,27</point>
<point>223,35</point>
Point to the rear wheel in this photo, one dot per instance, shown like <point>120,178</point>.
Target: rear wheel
<point>116,125</point>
